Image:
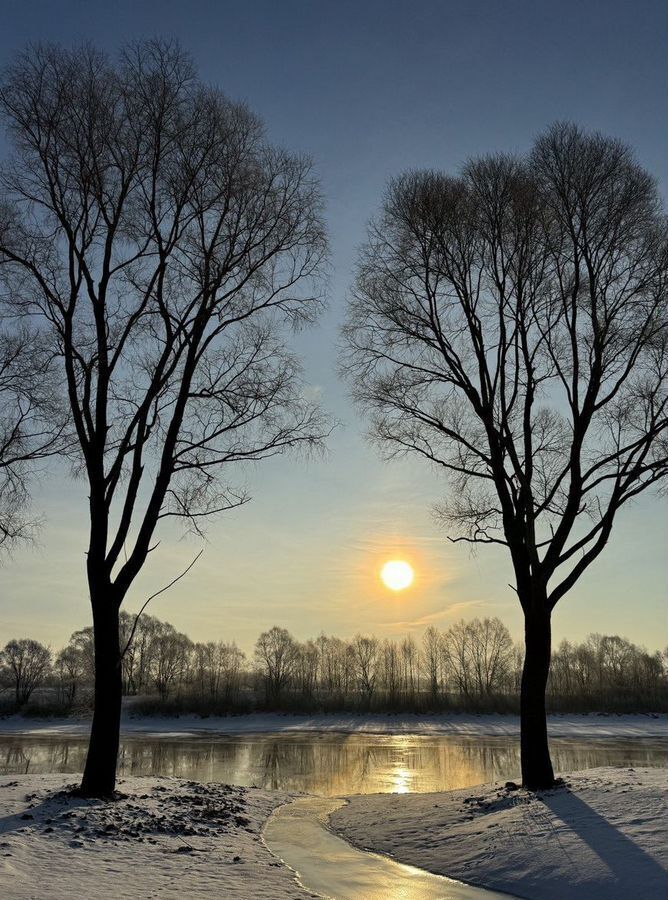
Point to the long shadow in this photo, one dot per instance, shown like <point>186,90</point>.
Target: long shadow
<point>47,808</point>
<point>635,870</point>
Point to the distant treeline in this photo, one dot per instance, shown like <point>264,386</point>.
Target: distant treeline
<point>474,666</point>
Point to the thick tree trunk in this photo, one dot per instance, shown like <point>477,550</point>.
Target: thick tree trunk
<point>537,771</point>
<point>99,779</point>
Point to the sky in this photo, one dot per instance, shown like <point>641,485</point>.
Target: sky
<point>368,89</point>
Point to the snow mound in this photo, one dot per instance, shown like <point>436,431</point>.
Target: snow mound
<point>161,837</point>
<point>602,835</point>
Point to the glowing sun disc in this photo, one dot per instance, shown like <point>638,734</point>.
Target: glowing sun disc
<point>397,574</point>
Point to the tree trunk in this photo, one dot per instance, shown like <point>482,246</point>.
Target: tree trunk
<point>537,772</point>
<point>99,779</point>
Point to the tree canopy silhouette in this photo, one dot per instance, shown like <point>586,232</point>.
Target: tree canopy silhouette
<point>509,325</point>
<point>165,243</point>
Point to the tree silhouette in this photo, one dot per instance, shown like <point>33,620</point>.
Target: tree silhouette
<point>509,325</point>
<point>147,220</point>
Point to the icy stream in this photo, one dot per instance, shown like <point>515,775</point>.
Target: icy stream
<point>299,835</point>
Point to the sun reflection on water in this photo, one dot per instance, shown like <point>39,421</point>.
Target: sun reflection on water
<point>402,780</point>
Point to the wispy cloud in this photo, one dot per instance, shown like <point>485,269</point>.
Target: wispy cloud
<point>449,612</point>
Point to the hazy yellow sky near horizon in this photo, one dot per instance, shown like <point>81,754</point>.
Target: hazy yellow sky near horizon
<point>306,554</point>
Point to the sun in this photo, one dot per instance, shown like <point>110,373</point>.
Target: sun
<point>397,574</point>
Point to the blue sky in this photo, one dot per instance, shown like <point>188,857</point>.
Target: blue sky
<point>368,89</point>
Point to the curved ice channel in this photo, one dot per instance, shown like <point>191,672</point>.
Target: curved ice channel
<point>326,864</point>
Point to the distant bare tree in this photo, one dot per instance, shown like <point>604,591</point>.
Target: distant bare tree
<point>509,325</point>
<point>307,669</point>
<point>27,664</point>
<point>366,654</point>
<point>335,665</point>
<point>276,654</point>
<point>456,656</point>
<point>491,652</point>
<point>391,670</point>
<point>410,666</point>
<point>171,651</point>
<point>139,650</point>
<point>432,648</point>
<point>71,667</point>
<point>218,666</point>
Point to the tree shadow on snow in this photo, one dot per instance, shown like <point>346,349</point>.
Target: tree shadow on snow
<point>632,868</point>
<point>52,812</point>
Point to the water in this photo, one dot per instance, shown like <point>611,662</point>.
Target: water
<point>329,765</point>
<point>298,834</point>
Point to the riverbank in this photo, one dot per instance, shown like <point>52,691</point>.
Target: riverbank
<point>603,836</point>
<point>166,838</point>
<point>581,726</point>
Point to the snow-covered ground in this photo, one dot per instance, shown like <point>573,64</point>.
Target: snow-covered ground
<point>604,836</point>
<point>168,839</point>
<point>581,726</point>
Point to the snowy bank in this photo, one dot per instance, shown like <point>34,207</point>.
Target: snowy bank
<point>166,838</point>
<point>604,836</point>
<point>580,726</point>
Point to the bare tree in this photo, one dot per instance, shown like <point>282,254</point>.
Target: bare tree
<point>307,669</point>
<point>509,326</point>
<point>218,667</point>
<point>139,642</point>
<point>366,655</point>
<point>432,648</point>
<point>410,666</point>
<point>456,655</point>
<point>491,650</point>
<point>335,666</point>
<point>170,660</point>
<point>276,654</point>
<point>165,242</point>
<point>70,668</point>
<point>391,670</point>
<point>27,664</point>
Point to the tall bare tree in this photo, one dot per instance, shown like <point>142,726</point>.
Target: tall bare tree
<point>166,243</point>
<point>509,325</point>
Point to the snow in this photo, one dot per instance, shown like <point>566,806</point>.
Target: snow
<point>603,836</point>
<point>579,726</point>
<point>166,838</point>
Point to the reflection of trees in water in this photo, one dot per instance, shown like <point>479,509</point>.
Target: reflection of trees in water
<point>323,764</point>
<point>177,759</point>
<point>16,760</point>
<point>328,764</point>
<point>41,755</point>
<point>569,756</point>
<point>341,764</point>
<point>280,761</point>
